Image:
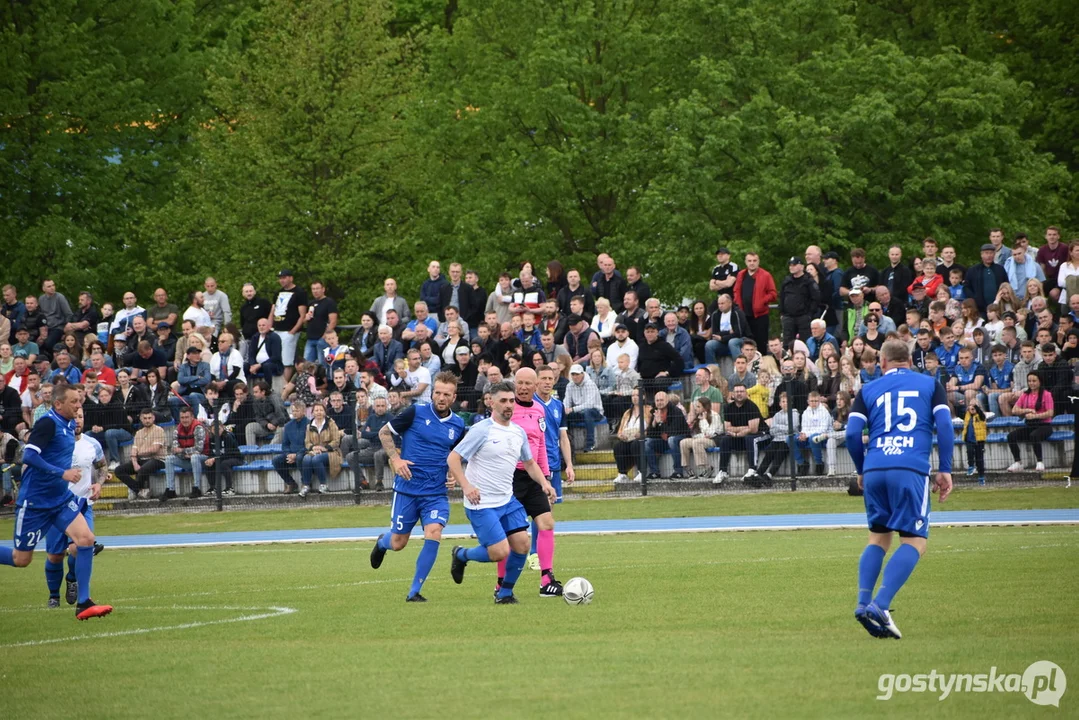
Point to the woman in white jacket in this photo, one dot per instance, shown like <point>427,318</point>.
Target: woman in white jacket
<point>706,425</point>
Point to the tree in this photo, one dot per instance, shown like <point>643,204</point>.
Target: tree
<point>656,130</point>
<point>302,166</point>
<point>97,98</point>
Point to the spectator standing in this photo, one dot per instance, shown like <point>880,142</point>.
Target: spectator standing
<point>254,309</point>
<point>55,310</point>
<point>830,284</point>
<point>897,277</point>
<point>754,291</point>
<point>1022,268</point>
<point>500,301</point>
<point>195,312</point>
<point>798,299</point>
<point>321,318</point>
<point>473,312</point>
<point>216,303</point>
<point>162,311</point>
<point>528,296</point>
<point>724,275</point>
<point>574,288</point>
<point>289,312</point>
<point>85,318</point>
<point>860,275</point>
<point>608,283</point>
<point>984,279</point>
<point>456,293</point>
<point>14,311</point>
<point>431,289</point>
<point>1000,251</point>
<point>390,300</point>
<point>1068,275</point>
<point>636,283</point>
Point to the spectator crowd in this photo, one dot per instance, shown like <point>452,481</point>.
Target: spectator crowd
<point>761,365</point>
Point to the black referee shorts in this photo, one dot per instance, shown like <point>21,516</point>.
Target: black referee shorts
<point>530,494</point>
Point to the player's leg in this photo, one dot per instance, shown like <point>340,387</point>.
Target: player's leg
<point>435,511</point>
<point>404,514</point>
<point>80,533</point>
<point>492,541</point>
<point>30,527</point>
<point>878,512</point>
<point>513,521</point>
<point>909,503</point>
<point>55,548</point>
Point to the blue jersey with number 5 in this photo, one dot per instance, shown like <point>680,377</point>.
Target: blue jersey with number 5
<point>899,410</point>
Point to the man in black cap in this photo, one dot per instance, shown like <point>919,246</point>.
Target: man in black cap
<point>576,341</point>
<point>984,279</point>
<point>289,312</point>
<point>831,281</point>
<point>723,276</point>
<point>658,362</point>
<point>798,299</point>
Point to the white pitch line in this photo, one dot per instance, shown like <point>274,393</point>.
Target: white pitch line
<point>276,612</point>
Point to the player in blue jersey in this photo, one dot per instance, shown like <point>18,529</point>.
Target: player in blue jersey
<point>556,437</point>
<point>900,409</point>
<point>428,433</point>
<point>492,449</point>
<point>46,499</point>
<point>89,458</point>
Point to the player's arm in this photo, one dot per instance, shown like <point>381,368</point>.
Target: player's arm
<point>386,436</point>
<point>942,416</point>
<point>856,423</point>
<point>567,453</point>
<point>40,436</point>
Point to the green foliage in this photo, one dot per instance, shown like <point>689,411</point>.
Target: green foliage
<point>302,166</point>
<point>149,143</point>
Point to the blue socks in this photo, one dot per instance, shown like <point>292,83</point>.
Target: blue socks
<point>384,542</point>
<point>514,565</point>
<point>535,536</point>
<point>7,556</point>
<point>424,563</point>
<point>868,572</point>
<point>474,554</point>
<point>896,573</point>
<point>54,573</point>
<point>84,561</point>
<point>70,567</point>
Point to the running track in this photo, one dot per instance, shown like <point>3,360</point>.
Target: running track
<point>602,527</point>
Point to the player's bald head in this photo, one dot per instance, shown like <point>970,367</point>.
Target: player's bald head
<point>894,353</point>
<point>525,380</point>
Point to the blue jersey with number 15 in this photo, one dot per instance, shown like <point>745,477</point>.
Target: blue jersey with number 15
<point>902,409</point>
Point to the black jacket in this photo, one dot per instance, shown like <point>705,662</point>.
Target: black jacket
<point>675,423</point>
<point>658,357</point>
<point>798,296</point>
<point>739,325</point>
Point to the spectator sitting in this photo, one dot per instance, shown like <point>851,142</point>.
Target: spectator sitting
<point>387,350</point>
<point>741,375</point>
<point>1055,374</point>
<point>870,368</point>
<point>948,352</point>
<point>626,380</point>
<point>322,451</point>
<point>1035,406</point>
<point>527,293</point>
<point>421,317</point>
<point>577,338</point>
<point>267,414</point>
<point>705,426</point>
<point>583,401</point>
<point>226,366</point>
<point>633,317</point>
<point>627,449</point>
<point>664,434</point>
<point>777,445</point>
<point>23,347</point>
<point>658,362</point>
<point>369,452</point>
<point>293,445</point>
<point>599,373</point>
<point>366,336</point>
<point>816,424</point>
<point>192,379</point>
<point>147,456</point>
<point>64,369</point>
<point>334,353</point>
<point>529,333</point>
<point>191,449</point>
<point>819,336</point>
<point>741,424</point>
<point>622,345</point>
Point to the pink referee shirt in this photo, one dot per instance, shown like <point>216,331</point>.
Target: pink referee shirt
<point>533,420</point>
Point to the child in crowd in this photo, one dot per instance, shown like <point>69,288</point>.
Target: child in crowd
<point>955,284</point>
<point>994,326</point>
<point>870,369</point>
<point>974,434</point>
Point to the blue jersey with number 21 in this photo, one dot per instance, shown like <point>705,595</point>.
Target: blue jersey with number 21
<point>901,409</point>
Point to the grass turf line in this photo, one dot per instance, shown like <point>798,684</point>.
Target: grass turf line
<point>302,518</point>
<point>751,625</point>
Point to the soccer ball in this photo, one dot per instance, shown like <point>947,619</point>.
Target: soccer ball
<point>577,591</point>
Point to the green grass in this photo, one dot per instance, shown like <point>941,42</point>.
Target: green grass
<point>683,625</point>
<point>690,506</point>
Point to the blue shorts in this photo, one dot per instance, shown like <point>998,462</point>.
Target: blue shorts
<point>407,510</point>
<point>556,483</point>
<point>56,541</point>
<point>32,522</point>
<point>897,500</point>
<point>492,525</point>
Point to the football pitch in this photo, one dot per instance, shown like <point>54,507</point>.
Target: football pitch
<point>683,625</point>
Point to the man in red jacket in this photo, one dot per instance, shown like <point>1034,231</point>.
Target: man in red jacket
<point>754,291</point>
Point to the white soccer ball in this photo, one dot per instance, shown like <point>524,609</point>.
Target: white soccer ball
<point>577,591</point>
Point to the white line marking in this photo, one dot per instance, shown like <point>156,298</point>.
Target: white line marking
<point>275,612</point>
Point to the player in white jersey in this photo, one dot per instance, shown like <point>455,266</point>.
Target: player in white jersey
<point>493,447</point>
<point>89,458</point>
